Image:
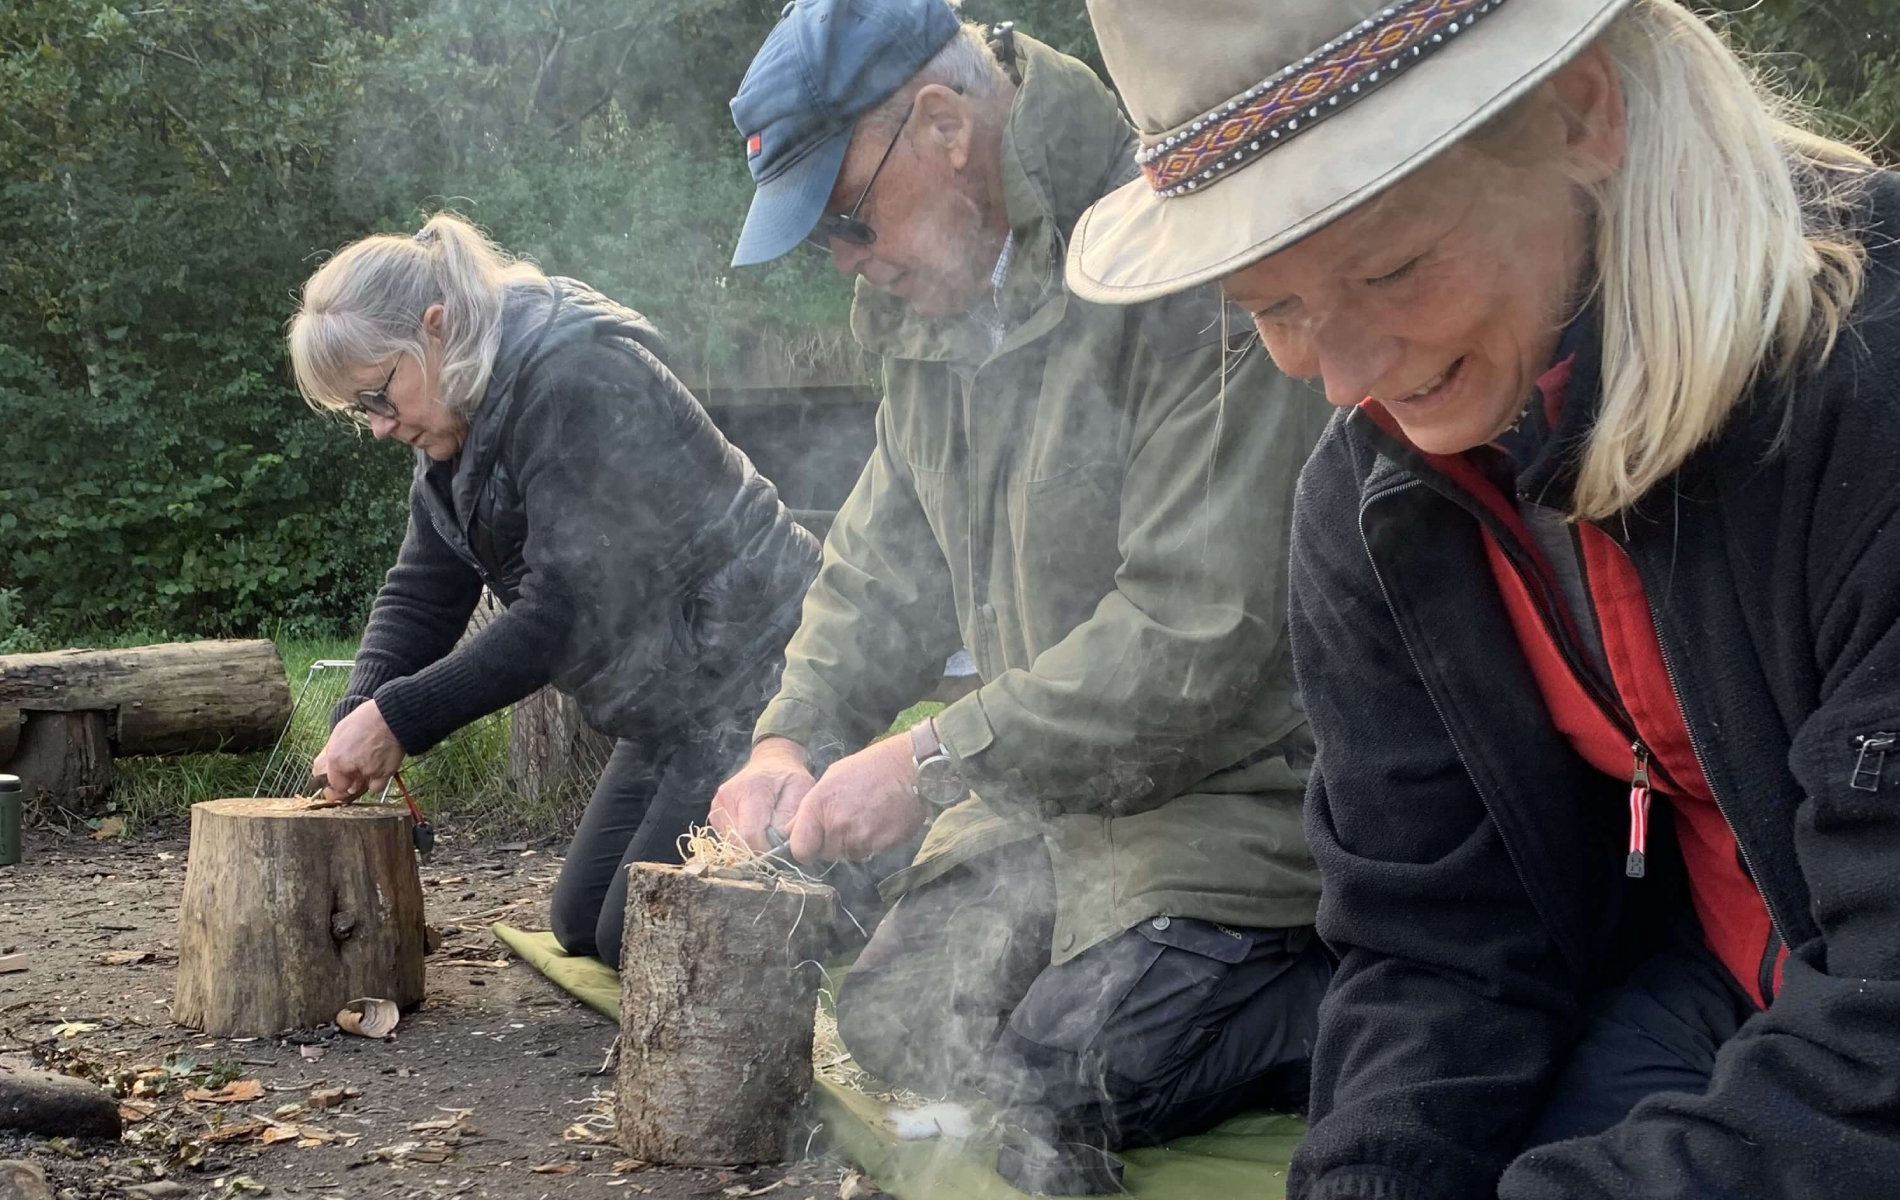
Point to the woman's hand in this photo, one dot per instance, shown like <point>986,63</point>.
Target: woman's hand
<point>360,756</point>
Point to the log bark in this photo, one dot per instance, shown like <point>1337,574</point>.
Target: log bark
<point>551,747</point>
<point>64,758</point>
<point>36,1101</point>
<point>718,994</point>
<point>175,698</point>
<point>291,911</point>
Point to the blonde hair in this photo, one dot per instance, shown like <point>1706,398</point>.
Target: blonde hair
<point>366,304</point>
<point>1724,251</point>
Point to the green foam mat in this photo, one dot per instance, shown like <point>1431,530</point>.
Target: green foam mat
<point>1243,1157</point>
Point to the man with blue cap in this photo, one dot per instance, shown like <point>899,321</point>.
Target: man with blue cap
<point>1108,928</point>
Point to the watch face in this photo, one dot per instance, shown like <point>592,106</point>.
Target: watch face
<point>937,782</point>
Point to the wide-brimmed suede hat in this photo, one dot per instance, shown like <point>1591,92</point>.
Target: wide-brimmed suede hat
<point>1262,122</point>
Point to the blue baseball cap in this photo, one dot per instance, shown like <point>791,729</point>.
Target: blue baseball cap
<point>825,64</point>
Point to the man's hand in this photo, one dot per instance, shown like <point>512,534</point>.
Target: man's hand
<point>360,756</point>
<point>766,791</point>
<point>865,804</point>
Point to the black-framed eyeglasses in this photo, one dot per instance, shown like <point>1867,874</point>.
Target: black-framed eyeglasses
<point>375,402</point>
<point>846,227</point>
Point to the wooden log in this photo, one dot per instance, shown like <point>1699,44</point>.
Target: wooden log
<point>290,911</point>
<point>64,758</point>
<point>175,698</point>
<point>717,998</point>
<point>550,746</point>
<point>36,1101</point>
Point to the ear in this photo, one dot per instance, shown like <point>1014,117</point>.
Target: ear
<point>1596,127</point>
<point>432,321</point>
<point>947,122</point>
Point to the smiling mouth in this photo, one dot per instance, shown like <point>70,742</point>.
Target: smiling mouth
<point>1433,385</point>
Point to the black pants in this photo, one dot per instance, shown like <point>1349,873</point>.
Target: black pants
<point>1163,1031</point>
<point>649,795</point>
<point>1658,1031</point>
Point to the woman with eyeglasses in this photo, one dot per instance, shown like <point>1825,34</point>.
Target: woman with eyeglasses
<point>645,568</point>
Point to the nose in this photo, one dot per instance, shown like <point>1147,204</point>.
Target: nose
<point>1345,355</point>
<point>849,258</point>
<point>381,427</point>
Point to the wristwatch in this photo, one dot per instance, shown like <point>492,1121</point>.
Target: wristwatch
<point>938,783</point>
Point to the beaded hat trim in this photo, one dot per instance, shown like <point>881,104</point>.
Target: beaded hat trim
<point>1337,75</point>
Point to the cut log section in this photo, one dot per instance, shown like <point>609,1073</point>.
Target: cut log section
<point>718,995</point>
<point>290,912</point>
<point>64,758</point>
<point>175,698</point>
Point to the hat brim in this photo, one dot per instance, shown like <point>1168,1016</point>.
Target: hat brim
<point>786,207</point>
<point>1132,246</point>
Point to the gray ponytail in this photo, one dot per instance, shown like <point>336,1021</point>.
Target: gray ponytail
<point>366,304</point>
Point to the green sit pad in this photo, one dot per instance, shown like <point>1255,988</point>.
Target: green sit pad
<point>1243,1157</point>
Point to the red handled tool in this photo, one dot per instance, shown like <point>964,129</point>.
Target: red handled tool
<point>424,832</point>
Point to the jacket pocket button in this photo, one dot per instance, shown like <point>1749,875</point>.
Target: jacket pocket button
<point>1068,941</point>
<point>1162,922</point>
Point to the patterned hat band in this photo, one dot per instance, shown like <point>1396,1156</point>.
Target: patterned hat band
<point>1337,75</point>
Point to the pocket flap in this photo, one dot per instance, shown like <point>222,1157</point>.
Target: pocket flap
<point>1204,938</point>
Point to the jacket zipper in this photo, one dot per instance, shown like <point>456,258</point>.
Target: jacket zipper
<point>1866,777</point>
<point>1635,867</point>
<point>1771,952</point>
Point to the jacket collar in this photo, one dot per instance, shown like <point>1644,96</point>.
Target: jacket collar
<point>1064,146</point>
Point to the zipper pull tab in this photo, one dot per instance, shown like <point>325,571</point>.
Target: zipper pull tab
<point>1637,864</point>
<point>1866,777</point>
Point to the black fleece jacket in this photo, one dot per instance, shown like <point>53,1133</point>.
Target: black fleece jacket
<point>1472,864</point>
<point>646,569</point>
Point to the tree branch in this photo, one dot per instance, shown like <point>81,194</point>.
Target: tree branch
<point>203,143</point>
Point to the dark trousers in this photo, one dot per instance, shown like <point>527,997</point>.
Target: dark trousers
<point>1162,1031</point>
<point>650,794</point>
<point>1658,1031</point>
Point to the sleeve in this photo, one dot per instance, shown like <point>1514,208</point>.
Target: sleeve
<point>1138,701</point>
<point>1451,1004</point>
<point>419,612</point>
<point>878,621</point>
<point>1805,1098</point>
<point>612,462</point>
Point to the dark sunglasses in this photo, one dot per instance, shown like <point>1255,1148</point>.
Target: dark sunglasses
<point>846,227</point>
<point>375,403</point>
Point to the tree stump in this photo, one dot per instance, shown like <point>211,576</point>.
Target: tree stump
<point>717,997</point>
<point>291,911</point>
<point>550,746</point>
<point>64,758</point>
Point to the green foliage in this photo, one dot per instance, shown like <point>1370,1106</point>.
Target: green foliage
<point>170,174</point>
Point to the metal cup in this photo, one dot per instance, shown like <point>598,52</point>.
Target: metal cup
<point>11,801</point>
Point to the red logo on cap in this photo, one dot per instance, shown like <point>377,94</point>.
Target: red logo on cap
<point>753,145</point>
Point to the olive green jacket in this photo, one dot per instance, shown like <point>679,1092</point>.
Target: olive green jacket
<point>1107,534</point>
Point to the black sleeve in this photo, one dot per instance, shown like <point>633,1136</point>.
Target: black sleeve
<point>1451,1004</point>
<point>420,611</point>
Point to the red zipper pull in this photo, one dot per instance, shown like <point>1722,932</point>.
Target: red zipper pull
<point>1635,867</point>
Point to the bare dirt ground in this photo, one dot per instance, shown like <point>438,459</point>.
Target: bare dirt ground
<point>490,1088</point>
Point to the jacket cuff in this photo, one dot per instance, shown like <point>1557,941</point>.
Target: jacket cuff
<point>413,714</point>
<point>1368,1183</point>
<point>966,732</point>
<point>799,720</point>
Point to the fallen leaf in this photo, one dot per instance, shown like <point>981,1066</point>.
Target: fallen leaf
<point>441,1124</point>
<point>109,827</point>
<point>579,1132</point>
<point>287,1110</point>
<point>742,1190</point>
<point>553,1168</point>
<point>623,1166</point>
<point>72,1029</point>
<point>855,1185</point>
<point>244,1183</point>
<point>238,1091</point>
<point>123,958</point>
<point>280,1133</point>
<point>236,1131</point>
<point>369,1017</point>
<point>331,1097</point>
<point>161,1189</point>
<point>65,1147</point>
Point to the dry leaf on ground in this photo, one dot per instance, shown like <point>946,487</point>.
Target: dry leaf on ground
<point>443,1124</point>
<point>280,1133</point>
<point>235,1131</point>
<point>331,1097</point>
<point>72,1029</point>
<point>740,1190</point>
<point>580,1131</point>
<point>109,827</point>
<point>370,1017</point>
<point>134,1111</point>
<point>238,1091</point>
<point>123,958</point>
<point>553,1168</point>
<point>854,1185</point>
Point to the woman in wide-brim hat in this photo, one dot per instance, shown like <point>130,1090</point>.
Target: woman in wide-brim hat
<point>1596,577</point>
